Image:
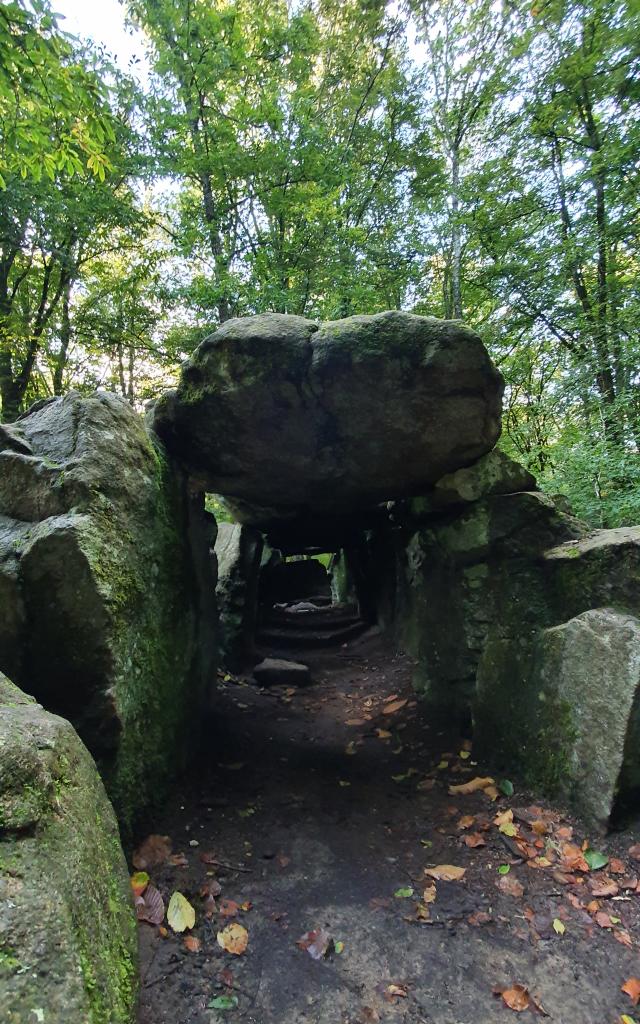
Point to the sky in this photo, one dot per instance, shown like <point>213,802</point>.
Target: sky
<point>104,22</point>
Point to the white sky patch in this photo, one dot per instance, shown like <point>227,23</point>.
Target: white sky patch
<point>104,22</point>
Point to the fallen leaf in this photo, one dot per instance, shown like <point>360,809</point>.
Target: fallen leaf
<point>180,913</point>
<point>516,998</point>
<point>616,866</point>
<point>471,787</point>
<point>317,943</point>
<point>192,944</point>
<point>228,908</point>
<point>393,991</point>
<point>395,705</point>
<point>139,883</point>
<point>150,907</point>
<point>356,721</point>
<point>604,887</point>
<point>474,839</point>
<point>634,851</point>
<point>429,894</point>
<point>466,821</point>
<point>595,860</point>
<point>153,851</point>
<point>510,885</point>
<point>383,734</point>
<point>631,988</point>
<point>404,894</point>
<point>234,938</point>
<point>446,873</point>
<point>622,936</point>
<point>573,858</point>
<point>603,920</point>
<point>506,787</point>
<point>491,792</point>
<point>504,869</point>
<point>223,1003</point>
<point>558,926</point>
<point>211,888</point>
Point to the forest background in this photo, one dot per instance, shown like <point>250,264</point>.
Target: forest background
<point>474,159</point>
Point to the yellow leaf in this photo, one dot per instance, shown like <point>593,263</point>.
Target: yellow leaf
<point>492,792</point>
<point>429,895</point>
<point>509,829</point>
<point>180,914</point>
<point>471,787</point>
<point>234,939</point>
<point>558,926</point>
<point>446,872</point>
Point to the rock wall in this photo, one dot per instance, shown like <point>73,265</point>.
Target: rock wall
<point>68,935</point>
<point>106,579</point>
<point>238,551</point>
<point>523,623</point>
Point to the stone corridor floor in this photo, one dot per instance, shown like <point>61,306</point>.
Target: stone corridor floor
<point>324,810</point>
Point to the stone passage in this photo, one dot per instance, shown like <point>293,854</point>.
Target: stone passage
<point>369,440</point>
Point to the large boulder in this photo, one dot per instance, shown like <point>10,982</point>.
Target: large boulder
<point>566,707</point>
<point>106,589</point>
<point>238,551</point>
<point>281,412</point>
<point>68,937</point>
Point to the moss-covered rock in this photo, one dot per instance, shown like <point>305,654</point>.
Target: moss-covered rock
<point>68,936</point>
<point>282,412</point>
<point>107,557</point>
<point>564,708</point>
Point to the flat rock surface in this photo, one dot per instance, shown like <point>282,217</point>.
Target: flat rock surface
<point>333,806</point>
<point>287,414</point>
<point>280,671</point>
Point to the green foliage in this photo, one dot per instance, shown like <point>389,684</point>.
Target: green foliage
<point>305,159</point>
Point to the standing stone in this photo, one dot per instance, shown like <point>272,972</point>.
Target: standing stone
<point>566,707</point>
<point>106,595</point>
<point>238,551</point>
<point>68,935</point>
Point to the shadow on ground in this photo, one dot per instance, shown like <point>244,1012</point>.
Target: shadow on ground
<point>331,806</point>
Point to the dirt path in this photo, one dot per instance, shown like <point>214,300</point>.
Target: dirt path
<point>335,823</point>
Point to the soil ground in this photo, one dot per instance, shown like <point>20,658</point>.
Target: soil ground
<point>334,824</point>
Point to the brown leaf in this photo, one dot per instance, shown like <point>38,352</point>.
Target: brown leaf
<point>474,839</point>
<point>516,998</point>
<point>153,851</point>
<point>616,866</point>
<point>395,705</point>
<point>429,894</point>
<point>466,821</point>
<point>150,907</point>
<point>510,885</point>
<point>634,851</point>
<point>228,908</point>
<point>623,937</point>
<point>572,858</point>
<point>479,917</point>
<point>317,943</point>
<point>446,873</point>
<point>631,988</point>
<point>192,944</point>
<point>603,920</point>
<point>603,887</point>
<point>208,857</point>
<point>211,888</point>
<point>226,977</point>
